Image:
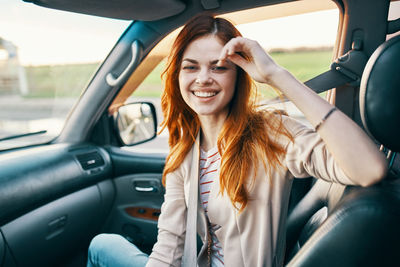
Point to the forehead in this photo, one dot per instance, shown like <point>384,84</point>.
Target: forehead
<point>206,48</point>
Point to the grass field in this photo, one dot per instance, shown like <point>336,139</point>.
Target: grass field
<point>71,80</point>
<point>304,65</point>
<point>59,80</point>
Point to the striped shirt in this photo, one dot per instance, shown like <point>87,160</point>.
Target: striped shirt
<point>210,163</point>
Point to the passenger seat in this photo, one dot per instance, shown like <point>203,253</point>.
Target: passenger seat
<point>335,225</point>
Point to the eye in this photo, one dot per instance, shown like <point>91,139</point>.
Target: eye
<point>189,67</point>
<point>219,68</point>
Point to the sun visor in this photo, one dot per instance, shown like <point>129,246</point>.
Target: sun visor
<point>145,10</point>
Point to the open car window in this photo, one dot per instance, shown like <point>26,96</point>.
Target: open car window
<point>47,58</point>
<point>298,44</point>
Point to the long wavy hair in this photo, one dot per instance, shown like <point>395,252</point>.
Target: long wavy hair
<point>247,136</point>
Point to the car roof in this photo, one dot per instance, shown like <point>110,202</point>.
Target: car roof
<point>144,9</point>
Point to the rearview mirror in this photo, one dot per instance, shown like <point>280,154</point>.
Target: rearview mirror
<point>136,123</point>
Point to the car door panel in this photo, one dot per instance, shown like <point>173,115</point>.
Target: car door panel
<point>139,196</point>
<point>6,259</point>
<point>54,228</point>
<point>131,162</point>
<point>2,249</point>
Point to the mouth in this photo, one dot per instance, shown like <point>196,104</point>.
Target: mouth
<point>204,94</point>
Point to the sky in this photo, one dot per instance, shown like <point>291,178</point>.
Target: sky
<point>46,36</point>
<point>295,31</point>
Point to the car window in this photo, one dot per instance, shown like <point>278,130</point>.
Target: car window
<point>47,58</point>
<point>150,91</point>
<point>301,43</point>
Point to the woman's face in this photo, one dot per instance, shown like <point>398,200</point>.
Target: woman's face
<point>207,88</point>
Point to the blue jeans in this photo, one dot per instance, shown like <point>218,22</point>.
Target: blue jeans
<point>111,250</point>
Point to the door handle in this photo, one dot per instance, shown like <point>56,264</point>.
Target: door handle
<point>145,189</point>
<point>136,55</point>
<point>144,185</point>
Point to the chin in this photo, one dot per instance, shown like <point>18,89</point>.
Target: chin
<point>204,113</point>
<point>208,112</point>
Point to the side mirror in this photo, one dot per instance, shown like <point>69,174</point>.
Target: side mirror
<point>136,123</point>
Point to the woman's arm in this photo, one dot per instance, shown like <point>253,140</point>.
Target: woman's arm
<point>353,150</point>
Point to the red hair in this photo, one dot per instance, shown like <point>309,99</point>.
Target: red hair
<point>247,134</point>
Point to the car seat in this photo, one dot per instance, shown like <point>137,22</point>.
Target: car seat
<point>336,225</point>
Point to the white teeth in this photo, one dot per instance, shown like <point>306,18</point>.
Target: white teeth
<point>204,94</point>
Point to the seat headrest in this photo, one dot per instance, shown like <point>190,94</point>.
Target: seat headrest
<point>380,94</point>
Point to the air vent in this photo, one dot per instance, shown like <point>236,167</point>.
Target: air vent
<point>90,160</point>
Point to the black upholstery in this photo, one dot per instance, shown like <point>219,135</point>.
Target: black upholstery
<point>308,214</point>
<point>335,225</point>
<point>380,94</point>
<point>362,230</point>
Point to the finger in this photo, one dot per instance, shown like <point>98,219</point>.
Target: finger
<point>224,55</point>
<point>230,48</point>
<point>247,66</point>
<point>234,45</point>
<point>239,60</point>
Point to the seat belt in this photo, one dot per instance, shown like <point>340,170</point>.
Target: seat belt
<point>189,258</point>
<point>328,80</point>
<point>347,69</point>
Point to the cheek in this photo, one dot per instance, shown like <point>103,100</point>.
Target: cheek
<point>230,82</point>
<point>183,86</point>
<point>182,80</point>
<point>185,80</point>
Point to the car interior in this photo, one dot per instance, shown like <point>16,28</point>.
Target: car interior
<point>56,196</point>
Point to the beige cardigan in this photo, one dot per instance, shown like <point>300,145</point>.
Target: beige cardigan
<point>256,237</point>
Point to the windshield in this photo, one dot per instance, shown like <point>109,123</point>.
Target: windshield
<point>47,58</point>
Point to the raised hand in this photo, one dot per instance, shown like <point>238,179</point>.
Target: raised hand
<point>251,57</point>
<point>351,147</point>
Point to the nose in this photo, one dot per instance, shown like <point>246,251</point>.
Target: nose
<point>203,77</point>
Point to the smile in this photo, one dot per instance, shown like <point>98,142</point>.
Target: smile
<point>204,94</point>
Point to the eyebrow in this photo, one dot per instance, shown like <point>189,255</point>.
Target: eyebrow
<point>213,62</point>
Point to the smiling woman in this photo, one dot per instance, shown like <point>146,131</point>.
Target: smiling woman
<point>252,154</point>
<point>205,87</point>
<point>241,194</point>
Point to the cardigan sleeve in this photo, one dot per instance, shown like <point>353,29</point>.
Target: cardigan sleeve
<point>168,250</point>
<point>308,155</point>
